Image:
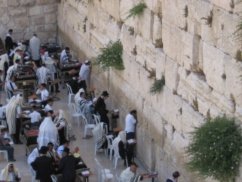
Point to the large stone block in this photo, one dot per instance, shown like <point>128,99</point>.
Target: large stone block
<point>171,74</point>
<point>27,2</point>
<point>14,3</point>
<point>45,1</point>
<point>213,67</point>
<point>154,5</point>
<point>36,10</point>
<point>22,22</point>
<point>50,8</point>
<point>172,45</point>
<point>225,4</point>
<point>51,27</point>
<point>112,7</point>
<point>20,11</point>
<point>157,30</point>
<point>145,24</point>
<point>128,40</point>
<point>50,18</point>
<point>38,20</point>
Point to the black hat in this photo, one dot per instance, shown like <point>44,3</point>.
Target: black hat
<point>43,150</point>
<point>105,93</point>
<point>66,150</point>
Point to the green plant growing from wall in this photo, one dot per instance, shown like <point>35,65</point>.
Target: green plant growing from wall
<point>111,56</point>
<point>216,148</point>
<point>157,86</point>
<point>238,55</point>
<point>238,32</point>
<point>137,10</point>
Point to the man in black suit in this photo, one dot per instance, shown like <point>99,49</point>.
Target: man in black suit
<point>9,41</point>
<point>43,166</point>
<point>100,108</point>
<point>67,167</point>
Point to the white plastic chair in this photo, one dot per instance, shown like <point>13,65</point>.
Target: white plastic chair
<point>74,112</point>
<point>116,155</point>
<point>110,145</point>
<point>87,126</point>
<point>104,175</point>
<point>70,93</point>
<point>96,118</point>
<point>5,154</point>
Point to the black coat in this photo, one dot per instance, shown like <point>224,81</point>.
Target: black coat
<point>67,167</point>
<point>9,43</point>
<point>100,107</point>
<point>44,168</point>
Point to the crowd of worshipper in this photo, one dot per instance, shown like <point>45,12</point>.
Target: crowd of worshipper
<point>53,154</point>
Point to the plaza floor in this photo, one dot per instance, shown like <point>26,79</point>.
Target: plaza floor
<point>86,147</point>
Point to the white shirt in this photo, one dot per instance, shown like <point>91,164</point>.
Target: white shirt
<point>32,156</point>
<point>35,117</point>
<point>43,74</point>
<point>48,108</point>
<point>34,46</point>
<point>11,71</point>
<point>44,94</point>
<point>11,86</point>
<point>84,72</point>
<point>60,150</point>
<point>130,122</point>
<point>64,57</point>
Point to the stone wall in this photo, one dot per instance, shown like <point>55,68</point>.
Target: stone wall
<point>190,42</point>
<point>28,16</point>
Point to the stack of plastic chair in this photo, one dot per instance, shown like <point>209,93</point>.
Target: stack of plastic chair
<point>110,145</point>
<point>104,175</point>
<point>74,112</point>
<point>87,126</point>
<point>5,154</point>
<point>70,93</point>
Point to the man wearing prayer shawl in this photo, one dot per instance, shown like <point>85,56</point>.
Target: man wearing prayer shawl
<point>34,46</point>
<point>47,131</point>
<point>10,173</point>
<point>129,174</point>
<point>13,111</point>
<point>43,74</point>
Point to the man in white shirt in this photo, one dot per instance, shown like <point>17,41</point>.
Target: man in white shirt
<point>44,94</point>
<point>130,124</point>
<point>65,56</point>
<point>47,131</point>
<point>34,46</point>
<point>43,74</point>
<point>60,149</point>
<point>130,175</point>
<point>48,106</point>
<point>12,69</point>
<point>11,87</point>
<point>35,116</point>
<point>84,74</point>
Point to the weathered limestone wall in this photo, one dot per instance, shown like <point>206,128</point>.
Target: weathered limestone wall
<point>28,16</point>
<point>197,59</point>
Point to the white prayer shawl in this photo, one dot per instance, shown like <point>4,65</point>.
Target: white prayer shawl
<point>11,71</point>
<point>7,176</point>
<point>77,96</point>
<point>32,156</point>
<point>47,133</point>
<point>84,72</point>
<point>3,59</point>
<point>43,74</point>
<point>61,120</point>
<point>34,46</point>
<point>128,176</point>
<point>11,112</point>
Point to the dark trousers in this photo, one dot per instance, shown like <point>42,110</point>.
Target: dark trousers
<point>10,151</point>
<point>56,85</point>
<point>83,85</point>
<point>18,127</point>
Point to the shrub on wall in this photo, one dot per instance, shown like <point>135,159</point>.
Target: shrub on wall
<point>157,85</point>
<point>111,56</point>
<point>216,149</point>
<point>137,10</point>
